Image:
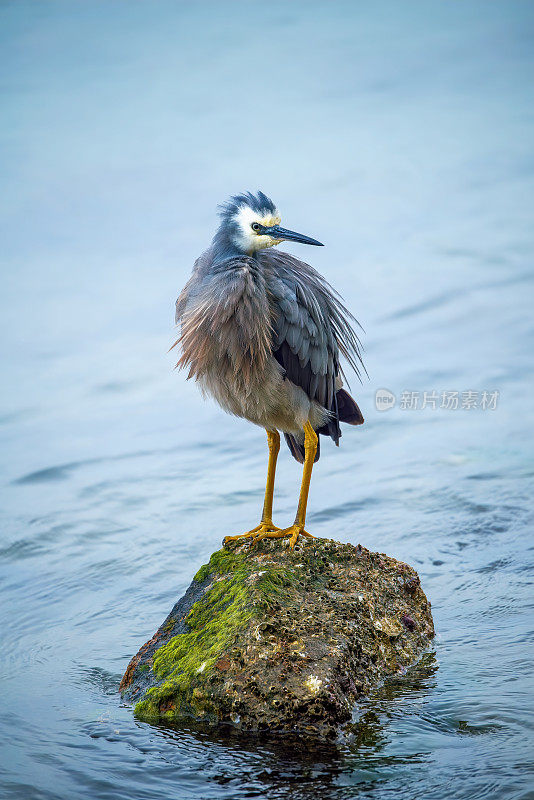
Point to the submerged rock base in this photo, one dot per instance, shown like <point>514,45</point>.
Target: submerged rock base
<point>271,639</point>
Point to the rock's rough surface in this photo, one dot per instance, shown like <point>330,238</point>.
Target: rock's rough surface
<point>269,639</point>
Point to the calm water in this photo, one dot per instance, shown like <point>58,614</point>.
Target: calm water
<point>400,134</point>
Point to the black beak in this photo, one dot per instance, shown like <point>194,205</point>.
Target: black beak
<point>291,236</point>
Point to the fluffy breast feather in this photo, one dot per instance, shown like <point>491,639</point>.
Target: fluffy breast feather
<point>226,323</point>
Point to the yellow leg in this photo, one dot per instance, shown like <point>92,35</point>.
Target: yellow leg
<point>266,524</point>
<point>297,529</point>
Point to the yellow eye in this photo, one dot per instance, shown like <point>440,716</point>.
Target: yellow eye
<point>256,226</point>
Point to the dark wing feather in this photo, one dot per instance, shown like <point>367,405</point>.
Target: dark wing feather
<point>311,326</point>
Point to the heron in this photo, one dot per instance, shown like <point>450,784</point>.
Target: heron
<point>262,333</point>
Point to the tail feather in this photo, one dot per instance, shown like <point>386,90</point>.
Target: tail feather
<point>331,427</point>
<point>345,410</point>
<point>348,409</point>
<point>297,449</point>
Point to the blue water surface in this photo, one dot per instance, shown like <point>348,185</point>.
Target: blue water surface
<point>400,134</point>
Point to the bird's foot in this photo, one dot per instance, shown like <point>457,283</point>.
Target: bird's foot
<point>293,533</point>
<point>257,533</point>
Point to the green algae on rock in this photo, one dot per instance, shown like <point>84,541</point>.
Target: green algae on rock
<point>271,639</point>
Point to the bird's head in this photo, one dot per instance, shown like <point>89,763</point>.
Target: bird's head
<point>252,222</point>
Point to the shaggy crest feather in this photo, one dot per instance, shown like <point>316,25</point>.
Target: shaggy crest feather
<point>258,202</point>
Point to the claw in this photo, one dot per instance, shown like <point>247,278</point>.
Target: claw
<point>293,533</point>
<point>256,534</point>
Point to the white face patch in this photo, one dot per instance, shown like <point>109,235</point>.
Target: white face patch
<point>248,240</point>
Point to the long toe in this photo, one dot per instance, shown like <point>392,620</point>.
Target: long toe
<point>292,533</point>
<point>264,528</point>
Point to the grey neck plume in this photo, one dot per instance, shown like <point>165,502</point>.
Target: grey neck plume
<point>224,246</point>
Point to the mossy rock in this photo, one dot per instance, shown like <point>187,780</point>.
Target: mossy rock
<point>271,639</point>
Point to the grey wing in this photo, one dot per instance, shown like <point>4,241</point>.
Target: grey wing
<point>304,337</point>
<point>315,295</point>
<point>310,328</point>
<point>303,342</point>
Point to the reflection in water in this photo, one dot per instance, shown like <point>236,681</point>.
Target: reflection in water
<point>285,766</point>
<point>399,133</point>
